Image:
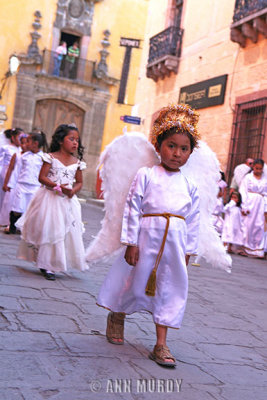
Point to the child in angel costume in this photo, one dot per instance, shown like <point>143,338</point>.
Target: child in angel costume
<point>160,225</point>
<point>253,189</point>
<point>10,181</point>
<point>52,228</point>
<point>6,153</point>
<point>232,232</point>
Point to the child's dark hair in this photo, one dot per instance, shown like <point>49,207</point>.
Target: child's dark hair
<point>166,134</point>
<point>9,133</point>
<point>60,133</point>
<point>258,161</point>
<point>40,137</point>
<point>238,204</point>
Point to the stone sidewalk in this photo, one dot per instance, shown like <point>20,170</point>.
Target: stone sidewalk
<point>53,342</point>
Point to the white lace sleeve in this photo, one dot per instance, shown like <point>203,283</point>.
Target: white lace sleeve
<point>47,158</point>
<point>81,165</point>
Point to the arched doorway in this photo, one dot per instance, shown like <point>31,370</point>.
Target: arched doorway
<point>50,113</point>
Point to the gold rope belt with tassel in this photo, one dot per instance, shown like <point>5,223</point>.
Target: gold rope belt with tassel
<point>151,283</point>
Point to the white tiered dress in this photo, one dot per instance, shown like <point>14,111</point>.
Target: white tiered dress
<point>52,226</point>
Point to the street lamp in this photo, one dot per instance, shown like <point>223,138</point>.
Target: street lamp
<point>13,65</point>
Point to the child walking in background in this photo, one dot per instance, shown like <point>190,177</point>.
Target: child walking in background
<point>6,153</point>
<point>27,183</point>
<point>217,215</point>
<point>52,227</point>
<point>253,189</point>
<point>11,181</point>
<point>232,234</point>
<point>160,230</point>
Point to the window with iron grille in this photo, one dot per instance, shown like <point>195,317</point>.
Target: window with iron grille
<point>248,133</point>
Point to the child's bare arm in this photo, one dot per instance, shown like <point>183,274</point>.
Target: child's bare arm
<point>132,255</point>
<point>43,175</point>
<point>9,172</point>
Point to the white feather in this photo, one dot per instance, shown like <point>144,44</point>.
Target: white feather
<point>118,165</point>
<point>203,168</point>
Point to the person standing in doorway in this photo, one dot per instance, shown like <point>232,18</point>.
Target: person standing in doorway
<point>72,56</point>
<point>60,52</point>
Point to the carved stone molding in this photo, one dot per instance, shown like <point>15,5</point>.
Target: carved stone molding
<point>249,27</point>
<point>33,55</point>
<point>75,15</point>
<point>162,67</point>
<point>101,71</point>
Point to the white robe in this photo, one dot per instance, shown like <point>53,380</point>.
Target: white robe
<point>254,200</point>
<point>217,218</point>
<point>6,153</point>
<point>8,198</point>
<point>27,183</point>
<point>155,190</point>
<point>233,224</point>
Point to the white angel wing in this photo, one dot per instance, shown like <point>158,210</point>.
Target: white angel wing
<point>203,168</point>
<point>120,162</point>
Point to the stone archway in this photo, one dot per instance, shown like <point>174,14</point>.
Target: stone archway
<point>49,113</point>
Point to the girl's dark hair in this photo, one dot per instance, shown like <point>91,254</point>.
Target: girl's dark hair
<point>239,198</point>
<point>40,137</point>
<point>258,161</point>
<point>222,176</point>
<point>166,134</point>
<point>12,132</point>
<point>60,133</point>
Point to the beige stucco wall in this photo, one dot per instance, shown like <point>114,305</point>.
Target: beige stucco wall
<point>207,52</point>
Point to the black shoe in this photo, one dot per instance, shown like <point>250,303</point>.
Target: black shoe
<point>10,231</point>
<point>50,276</point>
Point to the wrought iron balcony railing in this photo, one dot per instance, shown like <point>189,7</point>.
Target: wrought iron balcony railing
<point>250,19</point>
<point>245,8</point>
<point>81,70</point>
<point>167,42</point>
<point>164,53</point>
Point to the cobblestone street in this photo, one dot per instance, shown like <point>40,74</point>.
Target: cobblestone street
<point>53,343</point>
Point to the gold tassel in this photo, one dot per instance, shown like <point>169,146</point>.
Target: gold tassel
<point>151,283</point>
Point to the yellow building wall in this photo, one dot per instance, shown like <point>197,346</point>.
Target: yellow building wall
<point>16,18</point>
<point>123,18</point>
<point>207,52</point>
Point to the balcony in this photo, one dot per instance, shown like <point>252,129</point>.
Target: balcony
<point>164,53</point>
<point>82,71</point>
<point>250,19</point>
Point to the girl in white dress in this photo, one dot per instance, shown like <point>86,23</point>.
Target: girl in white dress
<point>27,182</point>
<point>160,230</point>
<point>232,233</point>
<point>11,181</point>
<point>52,228</point>
<point>253,190</point>
<point>6,153</point>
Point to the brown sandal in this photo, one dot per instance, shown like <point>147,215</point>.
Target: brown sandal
<point>115,328</point>
<point>160,354</point>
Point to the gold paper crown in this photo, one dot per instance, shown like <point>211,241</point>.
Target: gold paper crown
<point>180,116</point>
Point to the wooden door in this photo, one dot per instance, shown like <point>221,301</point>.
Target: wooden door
<point>50,113</point>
